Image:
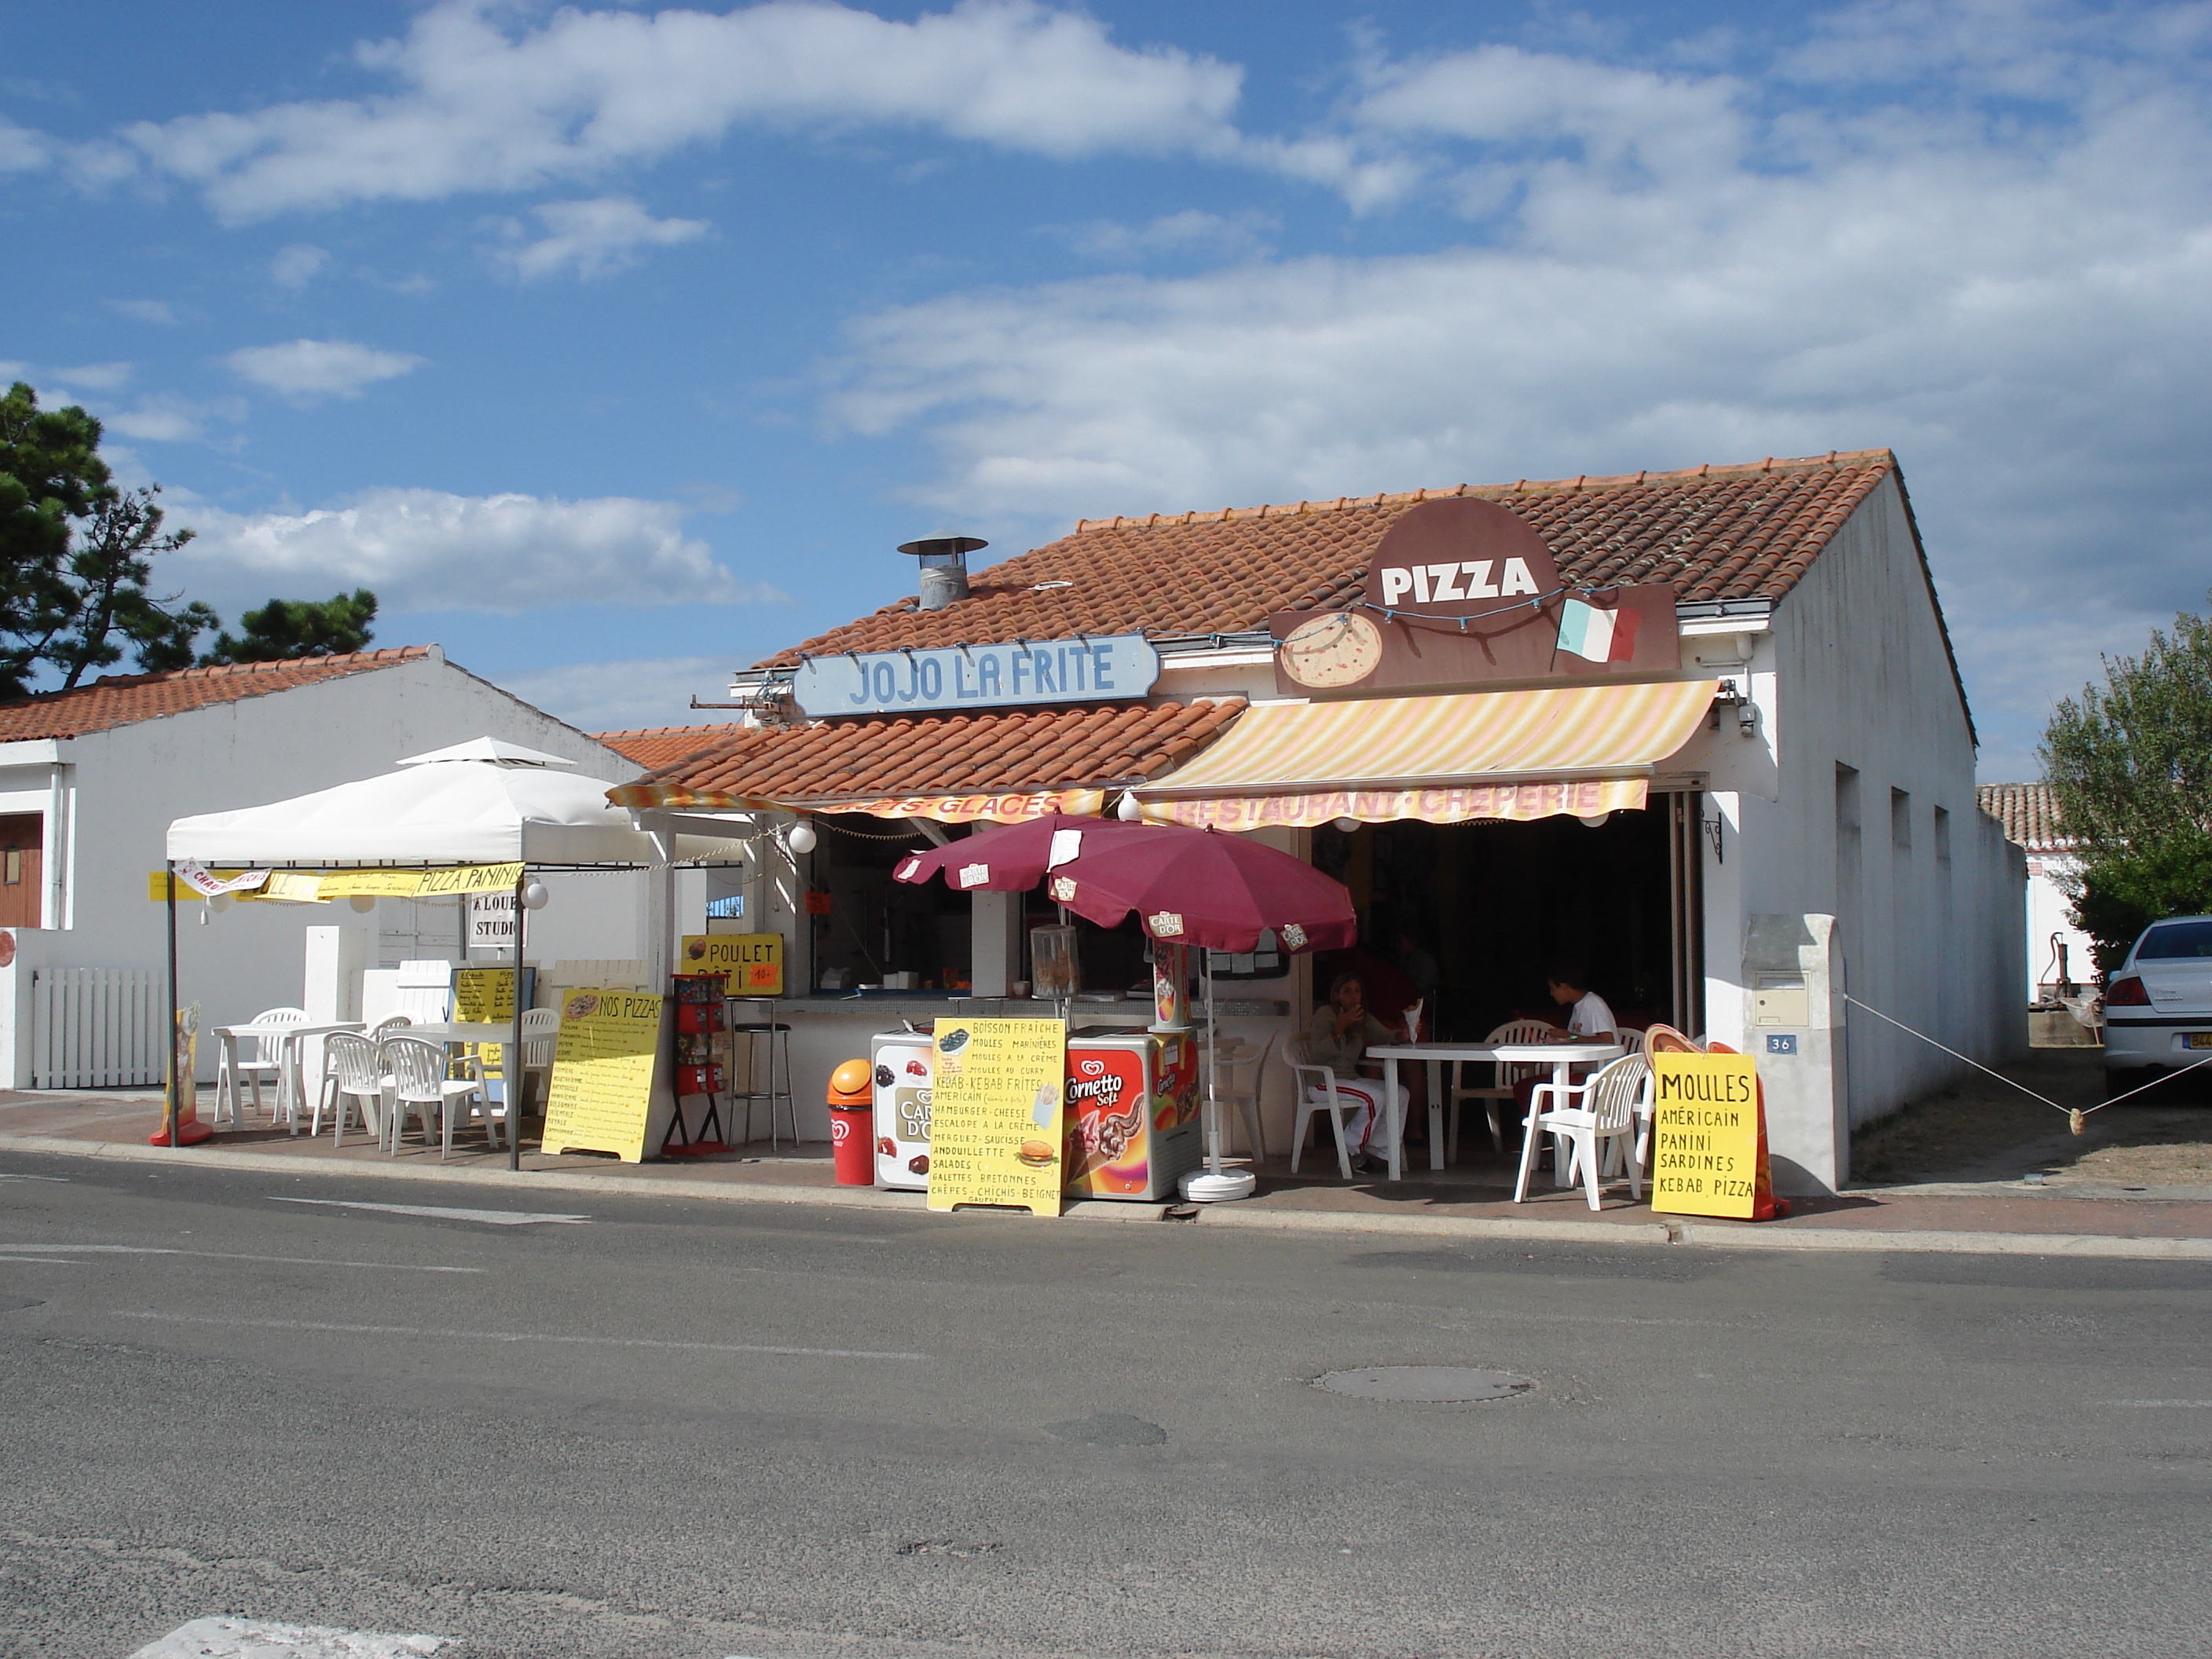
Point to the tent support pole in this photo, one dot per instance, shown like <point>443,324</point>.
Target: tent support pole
<point>172,1107</point>
<point>516,1081</point>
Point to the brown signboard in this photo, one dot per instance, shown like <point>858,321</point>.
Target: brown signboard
<point>1461,591</point>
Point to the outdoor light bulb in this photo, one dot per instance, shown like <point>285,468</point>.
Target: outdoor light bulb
<point>802,838</point>
<point>1346,825</point>
<point>534,896</point>
<point>1592,820</point>
<point>1128,812</point>
<point>361,902</point>
<point>219,903</point>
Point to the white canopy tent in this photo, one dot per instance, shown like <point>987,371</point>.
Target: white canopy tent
<point>483,801</point>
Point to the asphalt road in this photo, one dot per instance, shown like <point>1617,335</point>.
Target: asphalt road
<point>683,1428</point>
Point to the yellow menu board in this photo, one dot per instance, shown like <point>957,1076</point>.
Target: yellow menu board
<point>603,1066</point>
<point>1705,1134</point>
<point>754,961</point>
<point>994,1128</point>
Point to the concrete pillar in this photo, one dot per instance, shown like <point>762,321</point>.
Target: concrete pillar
<point>336,958</point>
<point>997,938</point>
<point>1793,1013</point>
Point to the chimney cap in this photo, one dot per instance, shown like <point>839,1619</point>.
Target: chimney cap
<point>942,547</point>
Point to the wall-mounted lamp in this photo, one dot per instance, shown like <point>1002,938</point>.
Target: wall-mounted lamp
<point>534,896</point>
<point>1128,812</point>
<point>1592,820</point>
<point>1346,825</point>
<point>800,837</point>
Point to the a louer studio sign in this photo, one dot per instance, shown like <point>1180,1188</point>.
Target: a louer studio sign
<point>936,679</point>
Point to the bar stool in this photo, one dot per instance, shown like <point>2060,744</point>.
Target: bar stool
<point>767,1056</point>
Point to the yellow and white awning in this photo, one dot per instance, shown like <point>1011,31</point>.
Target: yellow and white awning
<point>1583,750</point>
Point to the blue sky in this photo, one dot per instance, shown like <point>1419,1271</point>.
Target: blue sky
<point>614,347</point>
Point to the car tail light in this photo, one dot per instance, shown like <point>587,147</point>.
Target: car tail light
<point>2126,992</point>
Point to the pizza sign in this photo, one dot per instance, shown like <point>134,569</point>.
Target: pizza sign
<point>1463,591</point>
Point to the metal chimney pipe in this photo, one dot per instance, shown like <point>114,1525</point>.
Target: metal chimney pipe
<point>944,568</point>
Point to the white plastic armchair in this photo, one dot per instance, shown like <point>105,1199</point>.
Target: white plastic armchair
<point>1493,1095</point>
<point>1314,1089</point>
<point>1590,1117</point>
<point>354,1081</point>
<point>420,1087</point>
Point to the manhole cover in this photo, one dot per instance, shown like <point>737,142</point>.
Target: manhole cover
<point>1109,1429</point>
<point>1437,1385</point>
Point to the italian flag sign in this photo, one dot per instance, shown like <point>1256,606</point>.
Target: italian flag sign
<point>1597,634</point>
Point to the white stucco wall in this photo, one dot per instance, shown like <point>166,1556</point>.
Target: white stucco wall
<point>1861,680</point>
<point>124,786</point>
<point>2051,911</point>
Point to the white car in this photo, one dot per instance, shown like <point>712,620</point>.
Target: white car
<point>2158,1007</point>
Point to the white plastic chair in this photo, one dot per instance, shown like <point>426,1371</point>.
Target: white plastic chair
<point>420,1087</point>
<point>354,1079</point>
<point>1603,1113</point>
<point>1307,1081</point>
<point>1239,1084</point>
<point>1493,1095</point>
<point>540,1028</point>
<point>1630,1038</point>
<point>266,1058</point>
<point>392,1023</point>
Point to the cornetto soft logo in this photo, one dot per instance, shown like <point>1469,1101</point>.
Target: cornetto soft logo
<point>1097,1086</point>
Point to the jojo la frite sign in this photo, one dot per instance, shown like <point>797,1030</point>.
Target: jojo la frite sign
<point>932,679</point>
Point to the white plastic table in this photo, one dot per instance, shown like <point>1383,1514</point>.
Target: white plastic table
<point>1435,1053</point>
<point>290,1086</point>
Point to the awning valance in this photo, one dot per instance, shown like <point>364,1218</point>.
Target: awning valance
<point>1583,750</point>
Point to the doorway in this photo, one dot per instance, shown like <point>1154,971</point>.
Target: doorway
<point>23,886</point>
<point>1474,915</point>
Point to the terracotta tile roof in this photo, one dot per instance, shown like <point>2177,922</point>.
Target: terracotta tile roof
<point>124,699</point>
<point>661,745</point>
<point>828,762</point>
<point>2029,812</point>
<point>1715,532</point>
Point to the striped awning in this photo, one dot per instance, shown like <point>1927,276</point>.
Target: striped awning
<point>1583,750</point>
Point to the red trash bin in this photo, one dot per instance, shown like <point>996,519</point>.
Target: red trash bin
<point>852,1123</point>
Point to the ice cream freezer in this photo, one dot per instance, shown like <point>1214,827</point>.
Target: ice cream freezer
<point>1131,1116</point>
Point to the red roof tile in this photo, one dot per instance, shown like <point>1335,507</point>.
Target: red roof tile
<point>2029,812</point>
<point>1714,532</point>
<point>828,763</point>
<point>125,699</point>
<point>661,745</point>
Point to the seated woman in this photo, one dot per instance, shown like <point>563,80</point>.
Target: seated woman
<point>1337,1036</point>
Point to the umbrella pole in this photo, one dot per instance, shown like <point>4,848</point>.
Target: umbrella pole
<point>513,1079</point>
<point>172,1107</point>
<point>1212,1044</point>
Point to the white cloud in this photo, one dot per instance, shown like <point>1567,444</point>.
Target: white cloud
<point>22,150</point>
<point>625,696</point>
<point>144,311</point>
<point>100,377</point>
<point>305,370</point>
<point>423,549</point>
<point>592,238</point>
<point>478,108</point>
<point>1673,270</point>
<point>298,266</point>
<point>1192,232</point>
<point>159,420</point>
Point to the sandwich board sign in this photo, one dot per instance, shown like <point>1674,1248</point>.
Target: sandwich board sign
<point>1704,1134</point>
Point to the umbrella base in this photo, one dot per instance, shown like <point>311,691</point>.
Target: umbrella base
<point>1205,1187</point>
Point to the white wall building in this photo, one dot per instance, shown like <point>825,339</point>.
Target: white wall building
<point>2029,812</point>
<point>91,779</point>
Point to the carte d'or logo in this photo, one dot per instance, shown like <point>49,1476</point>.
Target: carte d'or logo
<point>1165,924</point>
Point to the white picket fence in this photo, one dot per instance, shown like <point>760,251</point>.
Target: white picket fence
<point>96,1027</point>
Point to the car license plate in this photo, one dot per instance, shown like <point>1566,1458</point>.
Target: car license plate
<point>2200,1040</point>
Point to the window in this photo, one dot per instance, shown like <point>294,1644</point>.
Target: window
<point>1901,820</point>
<point>878,931</point>
<point>14,866</point>
<point>2176,939</point>
<point>1943,832</point>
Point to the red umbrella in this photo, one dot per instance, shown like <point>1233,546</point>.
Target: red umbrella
<point>1014,858</point>
<point>1200,887</point>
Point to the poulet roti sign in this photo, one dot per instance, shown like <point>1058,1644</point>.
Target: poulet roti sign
<point>1090,668</point>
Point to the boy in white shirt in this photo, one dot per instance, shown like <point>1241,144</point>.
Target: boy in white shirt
<point>1592,1020</point>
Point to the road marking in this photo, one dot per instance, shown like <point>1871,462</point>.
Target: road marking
<point>257,1638</point>
<point>232,1255</point>
<point>514,1336</point>
<point>497,1218</point>
<point>42,1261</point>
<point>2154,1405</point>
<point>9,1176</point>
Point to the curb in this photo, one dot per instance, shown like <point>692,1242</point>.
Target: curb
<point>728,1192</point>
<point>1860,1241</point>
